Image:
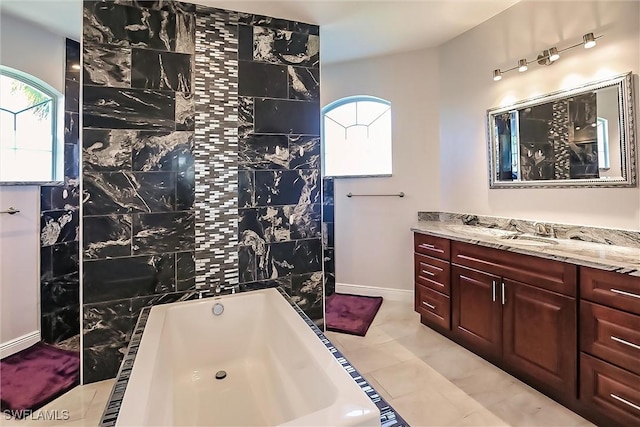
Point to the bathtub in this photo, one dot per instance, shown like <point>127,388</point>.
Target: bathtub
<point>277,370</point>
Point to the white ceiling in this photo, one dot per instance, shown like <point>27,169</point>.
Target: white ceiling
<point>350,29</point>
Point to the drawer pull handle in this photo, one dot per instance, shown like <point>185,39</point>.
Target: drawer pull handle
<point>625,342</point>
<point>432,307</point>
<point>504,295</point>
<point>428,273</point>
<point>627,294</point>
<point>493,291</point>
<point>426,246</point>
<point>625,401</point>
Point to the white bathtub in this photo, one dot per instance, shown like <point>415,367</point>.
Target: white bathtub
<point>278,371</point>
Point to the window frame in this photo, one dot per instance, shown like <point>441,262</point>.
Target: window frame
<point>56,100</point>
<point>348,100</point>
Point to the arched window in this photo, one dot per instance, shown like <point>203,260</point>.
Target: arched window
<point>357,137</point>
<point>27,128</point>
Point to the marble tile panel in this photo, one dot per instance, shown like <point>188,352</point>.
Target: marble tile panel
<point>106,236</point>
<point>270,224</point>
<point>304,152</point>
<point>305,221</point>
<point>71,161</point>
<point>162,151</point>
<point>118,278</point>
<point>106,65</point>
<point>246,189</point>
<point>328,257</point>
<point>263,152</point>
<point>168,6</point>
<point>58,293</point>
<point>301,27</point>
<point>45,198</point>
<point>107,150</point>
<point>71,96</point>
<point>307,293</point>
<point>293,257</point>
<point>304,83</point>
<point>101,363</point>
<point>65,197</point>
<point>245,116</point>
<point>185,271</point>
<point>246,264</point>
<point>263,21</point>
<point>285,47</point>
<point>46,267</point>
<point>328,213</point>
<point>286,117</point>
<point>288,187</point>
<point>107,323</point>
<point>124,192</point>
<point>284,282</point>
<point>245,42</point>
<point>152,69</point>
<point>137,304</point>
<point>163,232</point>
<point>61,324</point>
<point>185,111</point>
<point>262,79</point>
<point>71,128</point>
<point>117,108</point>
<point>328,234</point>
<point>58,226</point>
<point>65,259</point>
<point>329,283</point>
<point>327,191</point>
<point>185,190</point>
<point>72,60</point>
<point>185,30</point>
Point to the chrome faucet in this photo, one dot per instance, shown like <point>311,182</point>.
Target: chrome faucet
<point>218,290</point>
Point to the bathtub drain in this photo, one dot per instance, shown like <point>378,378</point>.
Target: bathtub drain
<point>220,375</point>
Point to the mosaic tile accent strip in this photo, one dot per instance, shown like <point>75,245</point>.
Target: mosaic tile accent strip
<point>388,416</point>
<point>559,137</point>
<point>216,146</point>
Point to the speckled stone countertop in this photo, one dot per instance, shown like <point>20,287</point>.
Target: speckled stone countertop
<point>605,249</point>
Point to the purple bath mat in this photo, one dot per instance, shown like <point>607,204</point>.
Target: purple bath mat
<point>35,376</point>
<point>351,314</point>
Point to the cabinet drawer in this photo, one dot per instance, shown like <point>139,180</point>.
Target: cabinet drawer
<point>433,273</point>
<point>613,391</point>
<point>613,289</point>
<point>431,245</point>
<point>610,334</point>
<point>433,306</point>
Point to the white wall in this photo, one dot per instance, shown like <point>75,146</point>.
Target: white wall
<point>19,265</point>
<point>467,91</point>
<point>372,237</point>
<point>32,49</point>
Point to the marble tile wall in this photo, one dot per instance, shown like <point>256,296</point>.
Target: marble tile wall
<point>137,169</point>
<point>328,229</point>
<point>279,184</point>
<point>59,239</point>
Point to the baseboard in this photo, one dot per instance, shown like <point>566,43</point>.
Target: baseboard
<point>17,344</point>
<point>373,291</point>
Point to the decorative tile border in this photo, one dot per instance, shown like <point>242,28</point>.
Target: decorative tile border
<point>388,416</point>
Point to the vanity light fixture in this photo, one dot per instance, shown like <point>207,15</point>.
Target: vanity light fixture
<point>548,56</point>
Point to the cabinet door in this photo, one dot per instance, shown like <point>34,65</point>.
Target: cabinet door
<point>540,336</point>
<point>477,313</point>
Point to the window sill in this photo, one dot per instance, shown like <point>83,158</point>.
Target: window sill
<point>32,183</point>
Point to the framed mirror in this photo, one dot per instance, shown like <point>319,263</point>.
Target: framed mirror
<point>583,137</point>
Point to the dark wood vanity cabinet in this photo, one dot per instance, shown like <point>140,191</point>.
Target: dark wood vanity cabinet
<point>432,280</point>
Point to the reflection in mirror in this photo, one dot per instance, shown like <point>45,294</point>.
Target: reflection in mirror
<point>581,137</point>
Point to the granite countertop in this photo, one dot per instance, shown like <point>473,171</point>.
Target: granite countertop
<point>611,257</point>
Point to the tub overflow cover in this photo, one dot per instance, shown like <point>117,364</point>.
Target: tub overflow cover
<point>220,375</point>
<point>217,309</point>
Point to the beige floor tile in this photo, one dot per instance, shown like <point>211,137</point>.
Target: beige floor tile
<point>379,388</point>
<point>479,418</point>
<point>395,311</point>
<point>454,362</point>
<point>425,342</point>
<point>367,359</point>
<point>409,377</point>
<point>426,408</point>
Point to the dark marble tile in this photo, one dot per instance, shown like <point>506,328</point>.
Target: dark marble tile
<point>107,323</point>
<point>169,6</point>
<point>286,47</point>
<point>305,221</point>
<point>328,256</point>
<point>307,256</point>
<point>137,304</point>
<point>45,198</point>
<point>262,79</point>
<point>107,150</point>
<point>101,363</point>
<point>124,192</point>
<point>327,191</point>
<point>153,69</point>
<point>185,111</point>
<point>263,152</point>
<point>163,232</point>
<point>71,128</point>
<point>263,21</point>
<point>185,30</point>
<point>294,257</point>
<point>301,27</point>
<point>328,213</point>
<point>307,293</point>
<point>329,283</point>
<point>283,116</point>
<point>106,236</point>
<point>162,151</point>
<point>245,116</point>
<point>65,197</point>
<point>58,226</point>
<point>284,282</point>
<point>119,278</point>
<point>246,264</point>
<point>186,190</point>
<point>71,161</point>
<point>106,65</point>
<point>246,189</point>
<point>71,96</point>
<point>289,187</point>
<point>245,42</point>
<point>185,271</point>
<point>46,266</point>
<point>270,224</point>
<point>61,324</point>
<point>59,293</point>
<point>304,83</point>
<point>65,259</point>
<point>72,60</point>
<point>328,234</point>
<point>116,108</point>
<point>304,152</point>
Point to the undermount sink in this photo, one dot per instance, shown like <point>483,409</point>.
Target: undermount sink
<point>525,239</point>
<point>481,231</point>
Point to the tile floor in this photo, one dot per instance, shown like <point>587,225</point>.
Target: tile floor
<point>428,379</point>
